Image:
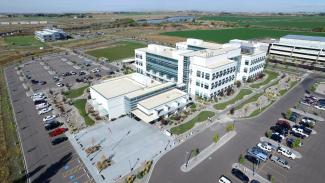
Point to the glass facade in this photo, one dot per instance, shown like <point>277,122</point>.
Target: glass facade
<point>163,65</point>
<point>195,48</point>
<point>186,72</point>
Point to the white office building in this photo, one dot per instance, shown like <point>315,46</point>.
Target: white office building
<point>202,68</point>
<point>50,34</point>
<point>137,94</point>
<point>253,58</point>
<point>298,47</point>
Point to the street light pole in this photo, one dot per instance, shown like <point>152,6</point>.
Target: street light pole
<point>186,159</point>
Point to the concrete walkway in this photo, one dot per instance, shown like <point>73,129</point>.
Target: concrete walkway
<point>193,162</point>
<point>303,113</point>
<point>249,173</point>
<point>276,144</point>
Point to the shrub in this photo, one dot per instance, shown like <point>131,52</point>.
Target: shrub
<point>230,127</point>
<point>232,111</point>
<point>216,137</point>
<point>268,133</point>
<point>296,143</point>
<point>241,159</point>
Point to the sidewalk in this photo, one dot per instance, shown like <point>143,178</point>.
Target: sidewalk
<point>193,162</point>
<point>252,175</point>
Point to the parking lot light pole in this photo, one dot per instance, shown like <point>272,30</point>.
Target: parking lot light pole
<point>186,159</point>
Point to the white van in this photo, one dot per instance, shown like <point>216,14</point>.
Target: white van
<point>224,179</point>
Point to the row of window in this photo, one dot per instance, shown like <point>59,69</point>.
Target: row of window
<point>255,61</point>
<point>215,75</point>
<point>138,56</point>
<point>138,63</point>
<point>215,84</point>
<point>256,68</point>
<point>205,95</point>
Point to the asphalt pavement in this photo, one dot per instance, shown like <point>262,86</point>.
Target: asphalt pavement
<point>249,131</point>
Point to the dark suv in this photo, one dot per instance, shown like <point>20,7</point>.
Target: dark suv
<point>240,175</point>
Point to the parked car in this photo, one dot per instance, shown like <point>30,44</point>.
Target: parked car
<point>258,153</point>
<point>286,152</point>
<point>320,106</point>
<point>300,131</point>
<point>304,129</point>
<point>240,175</point>
<point>59,84</point>
<point>79,80</point>
<point>49,118</point>
<point>81,73</point>
<point>224,179</point>
<point>42,105</point>
<point>308,120</point>
<point>290,142</point>
<point>95,70</point>
<point>73,73</point>
<point>38,98</point>
<point>38,95</point>
<point>281,162</point>
<point>283,124</point>
<point>253,159</point>
<point>58,140</point>
<point>57,132</point>
<point>276,138</point>
<point>255,181</point>
<point>297,135</point>
<point>280,135</point>
<point>45,110</point>
<point>52,125</point>
<point>279,129</point>
<point>39,102</point>
<point>264,146</point>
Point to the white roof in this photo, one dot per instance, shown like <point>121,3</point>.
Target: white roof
<point>164,51</point>
<point>148,90</point>
<point>144,117</point>
<point>163,98</point>
<point>123,85</point>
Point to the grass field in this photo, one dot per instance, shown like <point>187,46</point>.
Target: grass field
<point>190,124</point>
<point>224,35</point>
<point>23,41</point>
<point>282,22</point>
<point>76,92</point>
<point>270,76</point>
<point>117,52</point>
<point>239,96</point>
<point>80,104</point>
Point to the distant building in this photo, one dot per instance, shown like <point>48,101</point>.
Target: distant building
<point>175,19</point>
<point>50,34</point>
<point>291,48</point>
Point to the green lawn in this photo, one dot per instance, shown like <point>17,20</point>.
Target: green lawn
<point>283,22</point>
<point>190,124</point>
<point>250,100</point>
<point>224,35</point>
<point>76,92</point>
<point>270,76</point>
<point>119,51</point>
<point>239,96</point>
<point>23,41</point>
<point>80,104</point>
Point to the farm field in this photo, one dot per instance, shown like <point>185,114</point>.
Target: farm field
<point>283,22</point>
<point>23,41</point>
<point>224,35</point>
<point>117,52</point>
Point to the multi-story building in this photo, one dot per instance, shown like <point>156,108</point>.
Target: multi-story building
<point>294,48</point>
<point>50,34</point>
<point>216,63</point>
<point>253,58</point>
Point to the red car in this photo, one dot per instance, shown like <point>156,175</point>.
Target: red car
<point>284,124</point>
<point>57,132</point>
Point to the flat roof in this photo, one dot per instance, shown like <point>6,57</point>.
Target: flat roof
<point>307,38</point>
<point>120,86</point>
<point>148,90</point>
<point>162,98</point>
<point>219,63</point>
<point>164,51</point>
<point>144,117</point>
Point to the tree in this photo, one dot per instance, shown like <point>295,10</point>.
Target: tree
<point>215,137</point>
<point>268,133</point>
<point>296,143</point>
<point>241,159</point>
<point>230,127</point>
<point>238,84</point>
<point>232,111</point>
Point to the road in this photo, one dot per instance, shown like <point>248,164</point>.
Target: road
<point>45,163</point>
<point>167,169</point>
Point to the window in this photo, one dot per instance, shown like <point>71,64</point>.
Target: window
<point>245,70</point>
<point>197,83</point>
<point>198,73</point>
<point>207,76</point>
<point>206,86</point>
<point>246,62</point>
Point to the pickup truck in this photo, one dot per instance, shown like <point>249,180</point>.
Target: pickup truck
<point>300,131</point>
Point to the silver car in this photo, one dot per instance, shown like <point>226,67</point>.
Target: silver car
<point>281,162</point>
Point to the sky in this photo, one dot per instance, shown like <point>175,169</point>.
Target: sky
<point>63,6</point>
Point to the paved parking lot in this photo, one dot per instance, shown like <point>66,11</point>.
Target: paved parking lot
<point>45,163</point>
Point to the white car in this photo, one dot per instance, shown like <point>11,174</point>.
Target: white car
<point>49,118</point>
<point>300,131</point>
<point>42,105</point>
<point>264,146</point>
<point>37,95</point>
<point>320,107</point>
<point>45,110</point>
<point>224,179</point>
<point>308,120</point>
<point>286,152</point>
<point>59,84</point>
<point>95,70</point>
